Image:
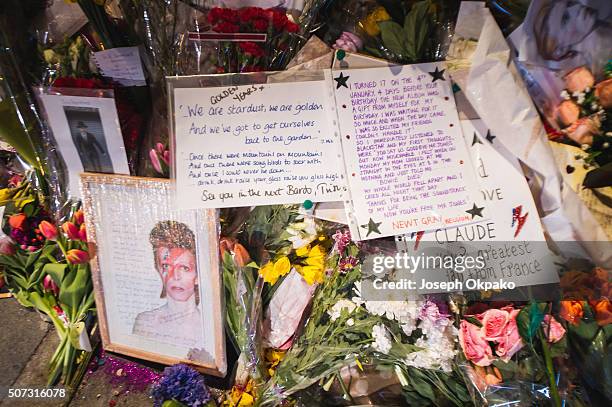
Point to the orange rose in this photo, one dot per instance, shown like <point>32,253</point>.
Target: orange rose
<point>567,113</point>
<point>571,311</point>
<point>490,375</point>
<point>603,91</point>
<point>579,79</point>
<point>603,311</point>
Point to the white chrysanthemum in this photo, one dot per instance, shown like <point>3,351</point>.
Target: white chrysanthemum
<point>439,348</point>
<point>335,311</point>
<point>382,339</point>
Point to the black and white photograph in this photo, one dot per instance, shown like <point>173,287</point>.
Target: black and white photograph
<point>87,133</point>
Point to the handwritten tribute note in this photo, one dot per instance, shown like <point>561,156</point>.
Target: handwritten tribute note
<point>407,165</point>
<point>511,242</point>
<point>260,144</point>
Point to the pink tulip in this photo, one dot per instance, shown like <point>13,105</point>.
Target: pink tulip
<point>49,285</point>
<point>155,161</point>
<point>160,148</point>
<point>71,230</point>
<point>166,157</point>
<point>7,247</point>
<point>76,256</point>
<point>48,230</point>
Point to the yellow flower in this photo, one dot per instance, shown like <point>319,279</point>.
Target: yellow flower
<point>302,251</point>
<point>316,251</point>
<point>246,400</point>
<point>273,358</point>
<point>282,266</point>
<point>312,274</point>
<point>370,24</point>
<point>272,271</point>
<point>50,57</point>
<point>267,272</point>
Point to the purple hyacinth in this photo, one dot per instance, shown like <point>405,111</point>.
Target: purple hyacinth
<point>183,384</point>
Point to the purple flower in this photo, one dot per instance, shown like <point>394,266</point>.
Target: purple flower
<point>346,264</point>
<point>342,239</point>
<point>183,384</point>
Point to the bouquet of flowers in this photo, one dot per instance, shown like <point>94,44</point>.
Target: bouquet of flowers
<point>585,116</point>
<point>48,269</point>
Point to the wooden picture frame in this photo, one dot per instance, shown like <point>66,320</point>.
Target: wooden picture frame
<point>149,263</point>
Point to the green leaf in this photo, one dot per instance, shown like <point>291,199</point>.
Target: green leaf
<point>74,287</point>
<point>473,321</point>
<point>392,36</point>
<point>13,133</point>
<point>56,271</point>
<point>417,25</point>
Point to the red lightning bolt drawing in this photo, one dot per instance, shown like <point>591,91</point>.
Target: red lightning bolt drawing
<point>419,235</point>
<point>518,219</point>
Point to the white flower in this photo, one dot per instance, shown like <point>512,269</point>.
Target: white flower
<point>335,311</point>
<point>580,99</point>
<point>350,322</point>
<point>585,147</point>
<point>606,145</point>
<point>565,95</point>
<point>577,94</point>
<point>438,351</point>
<point>587,89</point>
<point>382,339</point>
<point>594,106</point>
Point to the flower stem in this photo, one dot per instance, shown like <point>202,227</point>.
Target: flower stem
<point>550,371</point>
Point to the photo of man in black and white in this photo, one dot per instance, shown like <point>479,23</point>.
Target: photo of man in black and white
<point>88,138</point>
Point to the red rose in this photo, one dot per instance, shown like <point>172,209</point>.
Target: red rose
<point>247,14</point>
<point>225,27</point>
<point>214,15</point>
<point>279,20</point>
<point>292,27</point>
<point>260,25</point>
<point>251,48</point>
<point>227,14</point>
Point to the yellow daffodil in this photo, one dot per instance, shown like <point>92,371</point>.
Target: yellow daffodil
<point>302,251</point>
<point>312,274</point>
<point>273,358</point>
<point>282,266</point>
<point>267,272</point>
<point>272,271</point>
<point>370,24</point>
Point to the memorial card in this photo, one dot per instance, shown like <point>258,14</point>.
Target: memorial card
<point>259,139</point>
<point>406,162</point>
<point>156,272</point>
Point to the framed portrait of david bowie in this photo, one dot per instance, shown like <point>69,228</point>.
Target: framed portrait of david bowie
<point>156,272</point>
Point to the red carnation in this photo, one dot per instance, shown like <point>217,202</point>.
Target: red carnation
<point>251,48</point>
<point>226,27</point>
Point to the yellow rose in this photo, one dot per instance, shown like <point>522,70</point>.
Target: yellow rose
<point>50,56</point>
<point>370,24</point>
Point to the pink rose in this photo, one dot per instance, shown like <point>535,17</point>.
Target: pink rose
<point>475,347</point>
<point>493,323</point>
<point>567,112</point>
<point>603,91</point>
<point>583,130</point>
<point>348,42</point>
<point>510,342</point>
<point>579,79</point>
<point>553,330</point>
